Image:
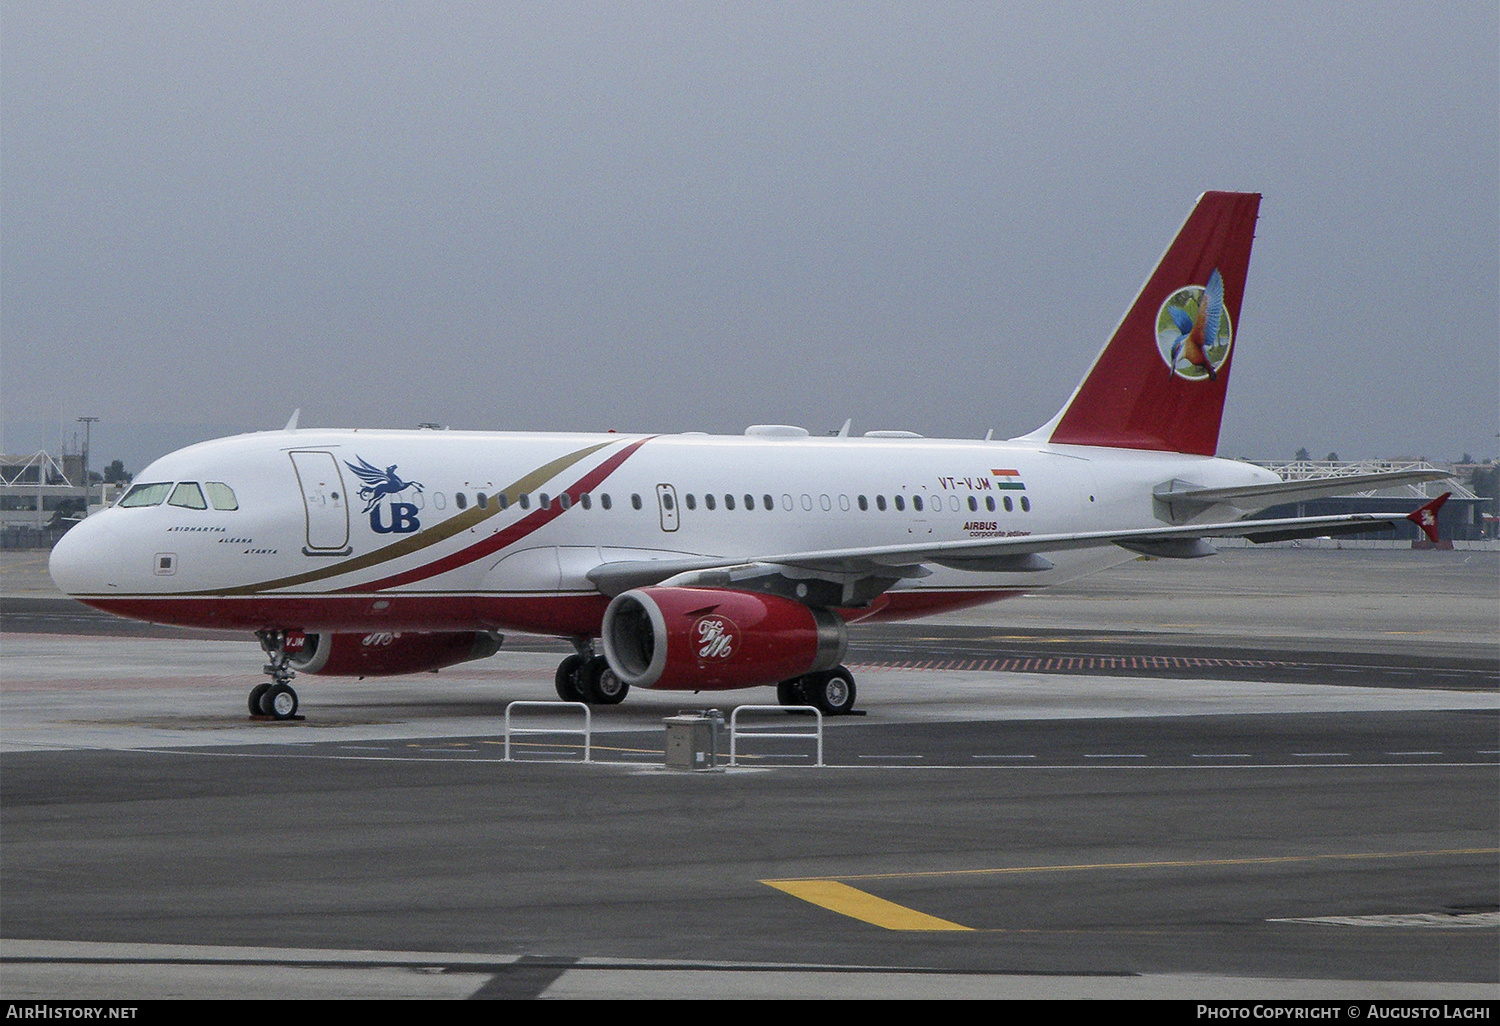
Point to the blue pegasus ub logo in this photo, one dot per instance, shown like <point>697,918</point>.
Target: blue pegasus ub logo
<point>379,484</point>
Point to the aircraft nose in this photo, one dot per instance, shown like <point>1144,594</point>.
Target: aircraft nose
<point>79,558</point>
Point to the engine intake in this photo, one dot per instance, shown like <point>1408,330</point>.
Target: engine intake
<point>385,653</point>
<point>691,639</point>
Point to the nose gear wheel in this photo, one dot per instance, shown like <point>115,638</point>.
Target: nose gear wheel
<point>274,698</point>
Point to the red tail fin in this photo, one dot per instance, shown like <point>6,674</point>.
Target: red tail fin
<point>1160,381</point>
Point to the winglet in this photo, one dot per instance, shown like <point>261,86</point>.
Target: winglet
<point>1425,516</point>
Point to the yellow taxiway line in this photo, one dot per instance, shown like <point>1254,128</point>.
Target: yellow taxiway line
<point>857,904</point>
<point>839,897</point>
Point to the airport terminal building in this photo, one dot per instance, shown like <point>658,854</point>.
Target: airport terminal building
<point>42,495</point>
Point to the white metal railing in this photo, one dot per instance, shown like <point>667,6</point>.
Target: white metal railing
<point>588,723</point>
<point>736,731</point>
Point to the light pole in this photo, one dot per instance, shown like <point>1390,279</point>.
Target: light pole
<point>87,423</point>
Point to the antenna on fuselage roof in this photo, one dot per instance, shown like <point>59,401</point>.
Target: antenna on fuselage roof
<point>989,436</point>
<point>291,425</point>
<point>844,431</point>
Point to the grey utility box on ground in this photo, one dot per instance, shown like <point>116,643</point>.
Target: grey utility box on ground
<point>693,740</point>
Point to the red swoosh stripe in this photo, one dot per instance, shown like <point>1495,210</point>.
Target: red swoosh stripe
<point>510,535</point>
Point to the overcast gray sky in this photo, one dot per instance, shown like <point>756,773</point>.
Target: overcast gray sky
<point>700,216</point>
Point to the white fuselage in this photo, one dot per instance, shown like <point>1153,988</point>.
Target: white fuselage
<point>447,530</point>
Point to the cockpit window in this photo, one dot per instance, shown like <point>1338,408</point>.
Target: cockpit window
<point>188,495</point>
<point>146,494</point>
<point>221,495</point>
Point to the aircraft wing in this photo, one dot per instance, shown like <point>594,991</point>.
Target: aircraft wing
<point>1187,500</point>
<point>854,576</point>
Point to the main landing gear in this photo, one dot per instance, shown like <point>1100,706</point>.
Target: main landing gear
<point>831,692</point>
<point>586,677</point>
<point>275,697</point>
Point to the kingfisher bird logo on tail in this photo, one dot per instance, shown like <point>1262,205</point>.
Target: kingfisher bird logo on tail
<point>1194,321</point>
<point>1185,316</point>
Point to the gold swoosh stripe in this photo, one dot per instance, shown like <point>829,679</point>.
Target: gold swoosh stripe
<point>421,540</point>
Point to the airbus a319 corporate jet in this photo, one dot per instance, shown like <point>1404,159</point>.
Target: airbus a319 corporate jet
<point>700,562</point>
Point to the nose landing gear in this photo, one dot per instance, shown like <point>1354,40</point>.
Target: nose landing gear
<point>274,698</point>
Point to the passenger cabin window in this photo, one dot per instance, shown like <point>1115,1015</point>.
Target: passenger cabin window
<point>221,495</point>
<point>586,501</point>
<point>989,503</point>
<point>483,500</point>
<point>770,505</point>
<point>605,501</point>
<point>1025,504</point>
<point>691,502</point>
<point>708,501</point>
<point>916,503</point>
<point>525,500</point>
<point>460,500</point>
<point>188,495</point>
<point>635,501</point>
<point>147,494</point>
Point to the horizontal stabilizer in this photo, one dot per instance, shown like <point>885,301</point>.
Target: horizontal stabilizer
<point>1186,499</point>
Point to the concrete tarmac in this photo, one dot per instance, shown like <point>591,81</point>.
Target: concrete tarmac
<point>975,834</point>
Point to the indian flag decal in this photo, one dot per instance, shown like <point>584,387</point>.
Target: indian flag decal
<point>1008,480</point>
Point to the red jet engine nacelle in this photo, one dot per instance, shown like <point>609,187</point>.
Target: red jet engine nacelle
<point>691,639</point>
<point>385,653</point>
